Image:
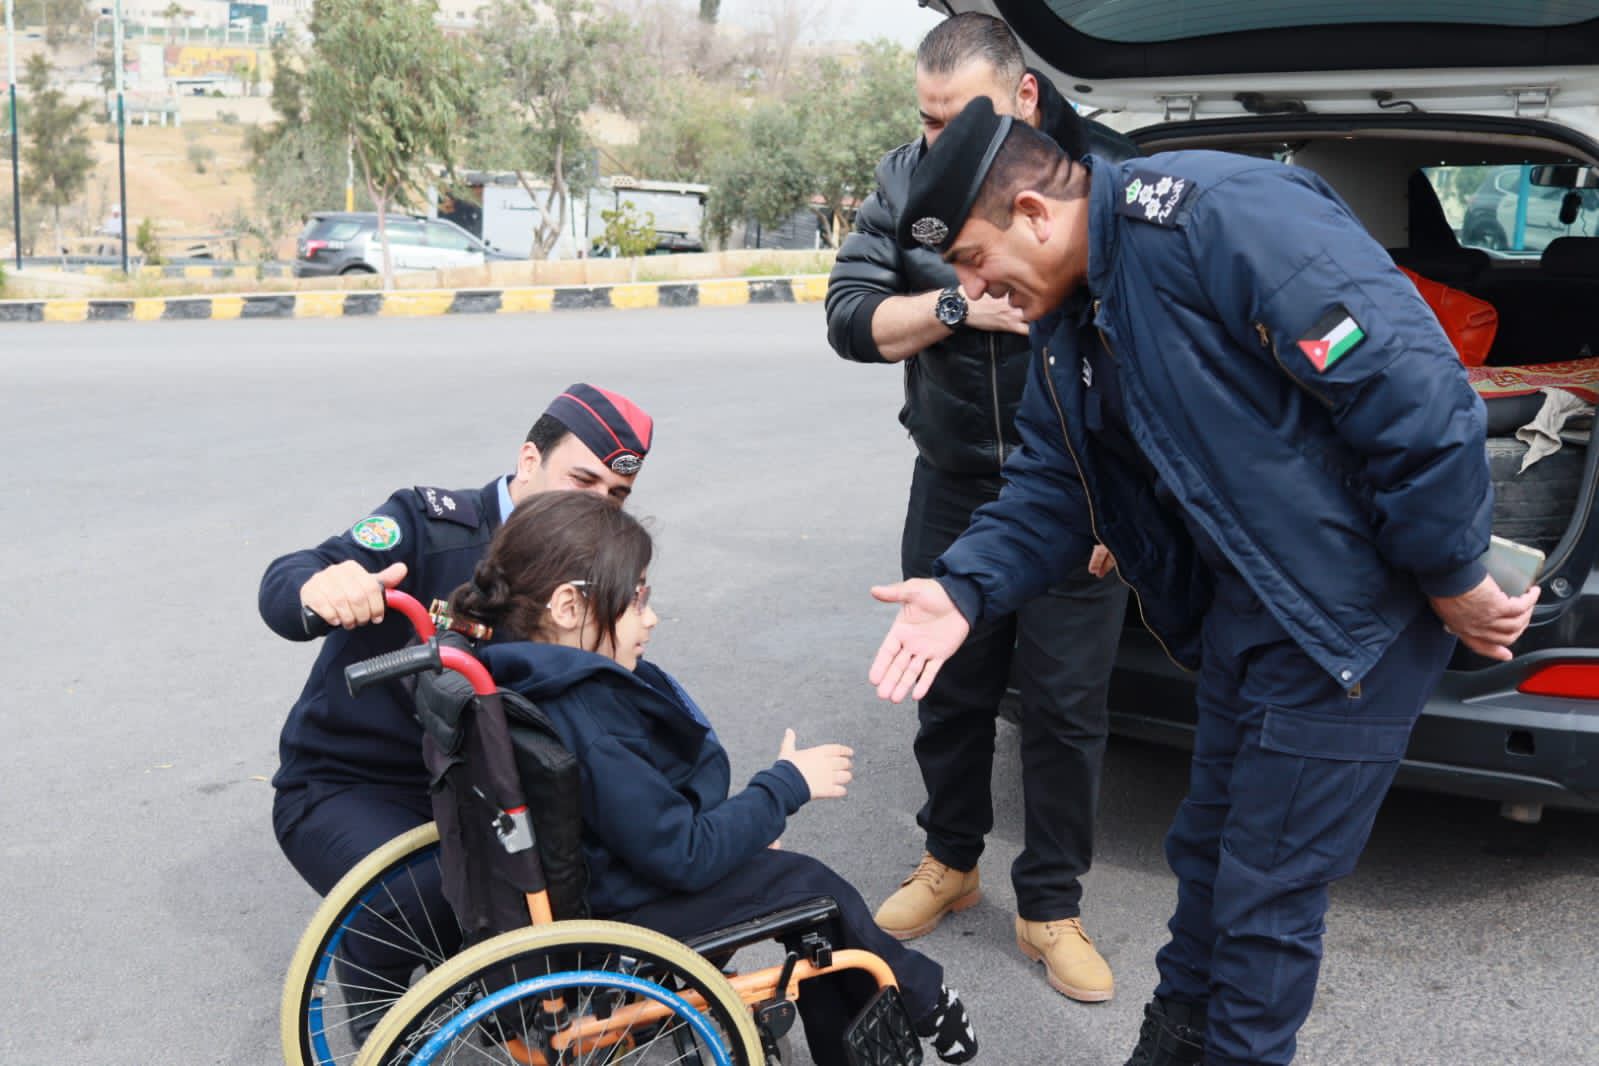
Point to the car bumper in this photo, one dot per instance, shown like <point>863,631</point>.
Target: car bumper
<point>1477,736</point>
<point>303,269</point>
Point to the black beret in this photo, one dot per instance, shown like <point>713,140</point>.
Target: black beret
<point>945,183</point>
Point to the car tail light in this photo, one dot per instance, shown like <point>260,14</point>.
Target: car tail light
<point>1578,681</point>
<point>312,248</point>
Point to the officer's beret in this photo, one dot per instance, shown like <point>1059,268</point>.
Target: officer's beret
<point>610,425</point>
<point>945,183</point>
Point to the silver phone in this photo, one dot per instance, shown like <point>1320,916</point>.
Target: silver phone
<point>1513,566</point>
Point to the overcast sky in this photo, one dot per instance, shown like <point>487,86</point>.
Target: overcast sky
<point>854,20</point>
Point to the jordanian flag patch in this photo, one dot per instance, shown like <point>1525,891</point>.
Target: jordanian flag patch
<point>1334,336</point>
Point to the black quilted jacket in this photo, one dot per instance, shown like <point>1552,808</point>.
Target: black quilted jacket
<point>960,394</point>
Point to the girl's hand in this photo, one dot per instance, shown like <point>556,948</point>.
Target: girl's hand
<point>825,768</point>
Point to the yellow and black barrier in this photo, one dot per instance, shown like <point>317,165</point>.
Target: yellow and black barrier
<point>728,292</point>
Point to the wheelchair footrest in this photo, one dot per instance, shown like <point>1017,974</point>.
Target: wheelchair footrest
<point>882,1034</point>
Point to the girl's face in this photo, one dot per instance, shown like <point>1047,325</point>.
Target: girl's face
<point>632,630</point>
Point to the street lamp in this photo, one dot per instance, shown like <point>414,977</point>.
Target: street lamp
<point>16,167</point>
<point>122,134</point>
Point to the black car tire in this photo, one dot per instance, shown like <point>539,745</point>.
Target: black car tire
<point>1490,237</point>
<point>356,268</point>
<point>1534,508</point>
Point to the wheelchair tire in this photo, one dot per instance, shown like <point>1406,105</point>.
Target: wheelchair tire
<point>315,1023</point>
<point>492,994</point>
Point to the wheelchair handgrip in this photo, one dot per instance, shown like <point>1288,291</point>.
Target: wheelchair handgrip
<point>315,625</point>
<point>390,665</point>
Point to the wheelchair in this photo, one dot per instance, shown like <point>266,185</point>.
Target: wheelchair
<point>540,983</point>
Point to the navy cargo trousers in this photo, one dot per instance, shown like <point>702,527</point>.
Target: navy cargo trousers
<point>1289,769</point>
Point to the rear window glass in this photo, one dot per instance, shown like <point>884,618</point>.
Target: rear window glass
<point>333,229</point>
<point>1502,211</point>
<point>1143,21</point>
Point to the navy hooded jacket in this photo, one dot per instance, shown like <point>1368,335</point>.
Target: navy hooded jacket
<point>657,817</point>
<point>1344,482</point>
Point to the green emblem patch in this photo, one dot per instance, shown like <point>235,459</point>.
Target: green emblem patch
<point>378,532</point>
<point>1134,188</point>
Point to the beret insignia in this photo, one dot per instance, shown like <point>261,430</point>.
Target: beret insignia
<point>930,231</point>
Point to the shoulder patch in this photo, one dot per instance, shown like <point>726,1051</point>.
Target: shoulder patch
<point>448,505</point>
<point>1152,197</point>
<point>1334,336</point>
<point>376,532</point>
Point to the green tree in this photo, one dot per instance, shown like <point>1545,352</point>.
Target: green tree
<point>689,130</point>
<point>709,9</point>
<point>56,157</point>
<point>298,167</point>
<point>383,76</point>
<point>847,132</point>
<point>545,67</point>
<point>626,232</point>
<point>818,147</point>
<point>148,243</point>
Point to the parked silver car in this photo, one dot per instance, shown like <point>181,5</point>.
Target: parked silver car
<point>346,242</point>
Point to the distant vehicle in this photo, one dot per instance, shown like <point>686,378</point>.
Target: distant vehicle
<point>1491,216</point>
<point>346,242</point>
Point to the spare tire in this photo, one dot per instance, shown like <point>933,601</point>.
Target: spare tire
<point>1534,508</point>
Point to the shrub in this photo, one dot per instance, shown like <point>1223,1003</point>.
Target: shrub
<point>200,155</point>
<point>149,246</point>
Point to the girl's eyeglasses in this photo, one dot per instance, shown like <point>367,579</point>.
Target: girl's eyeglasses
<point>641,593</point>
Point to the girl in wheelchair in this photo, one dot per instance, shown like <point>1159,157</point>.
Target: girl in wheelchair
<point>565,588</point>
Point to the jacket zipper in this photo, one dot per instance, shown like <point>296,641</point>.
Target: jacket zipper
<point>1267,342</point>
<point>1093,523</point>
<point>993,378</point>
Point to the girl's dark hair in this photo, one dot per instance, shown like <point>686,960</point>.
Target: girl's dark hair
<point>551,539</point>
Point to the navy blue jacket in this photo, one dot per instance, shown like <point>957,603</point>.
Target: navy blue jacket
<point>1343,495</point>
<point>657,817</point>
<point>331,737</point>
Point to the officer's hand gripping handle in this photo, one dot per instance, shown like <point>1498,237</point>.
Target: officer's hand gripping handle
<point>314,624</point>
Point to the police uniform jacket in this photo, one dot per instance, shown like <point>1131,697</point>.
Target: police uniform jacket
<point>1287,388</point>
<point>657,817</point>
<point>330,736</point>
<point>960,393</point>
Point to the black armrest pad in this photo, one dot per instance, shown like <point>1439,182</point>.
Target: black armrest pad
<point>799,918</point>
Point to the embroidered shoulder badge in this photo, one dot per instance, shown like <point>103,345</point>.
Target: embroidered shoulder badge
<point>378,532</point>
<point>1151,197</point>
<point>448,506</point>
<point>1334,336</point>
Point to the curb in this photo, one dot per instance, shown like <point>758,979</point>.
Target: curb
<point>722,292</point>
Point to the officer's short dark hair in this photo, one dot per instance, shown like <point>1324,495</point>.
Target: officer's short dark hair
<point>962,38</point>
<point>1027,161</point>
<point>546,433</point>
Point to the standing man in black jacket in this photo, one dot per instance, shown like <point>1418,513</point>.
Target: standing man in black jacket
<point>965,364</point>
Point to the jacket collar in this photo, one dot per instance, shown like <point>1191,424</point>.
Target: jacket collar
<point>1102,230</point>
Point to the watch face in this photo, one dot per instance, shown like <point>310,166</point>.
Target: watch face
<point>951,309</point>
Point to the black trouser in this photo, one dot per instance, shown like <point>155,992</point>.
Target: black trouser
<point>1063,644</point>
<point>325,830</point>
<point>773,880</point>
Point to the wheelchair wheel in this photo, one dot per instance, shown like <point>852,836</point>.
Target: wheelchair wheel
<point>569,993</point>
<point>330,1001</point>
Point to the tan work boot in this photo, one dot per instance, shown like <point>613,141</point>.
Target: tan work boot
<point>1074,968</point>
<point>922,899</point>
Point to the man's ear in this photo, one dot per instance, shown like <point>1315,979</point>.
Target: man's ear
<point>1035,212</point>
<point>1027,100</point>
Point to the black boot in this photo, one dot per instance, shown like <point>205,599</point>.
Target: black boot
<point>1173,1034</point>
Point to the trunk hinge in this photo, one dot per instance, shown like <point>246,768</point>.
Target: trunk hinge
<point>1178,106</point>
<point>1531,100</point>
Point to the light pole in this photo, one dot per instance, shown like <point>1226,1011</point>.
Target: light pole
<point>16,166</point>
<point>122,132</point>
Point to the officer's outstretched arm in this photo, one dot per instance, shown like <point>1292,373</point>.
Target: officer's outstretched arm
<point>1298,281</point>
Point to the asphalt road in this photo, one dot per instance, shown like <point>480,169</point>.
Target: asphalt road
<point>152,470</point>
